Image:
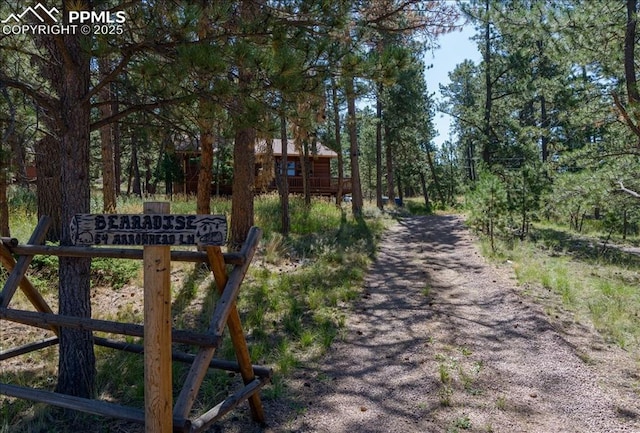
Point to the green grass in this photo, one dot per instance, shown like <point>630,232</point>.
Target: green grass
<point>292,304</point>
<point>591,283</point>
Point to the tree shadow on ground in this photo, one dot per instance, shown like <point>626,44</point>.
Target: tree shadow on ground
<point>586,249</point>
<point>427,283</point>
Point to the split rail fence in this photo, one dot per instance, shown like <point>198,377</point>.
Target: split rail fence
<point>157,231</point>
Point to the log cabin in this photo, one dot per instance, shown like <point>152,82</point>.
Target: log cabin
<point>321,161</point>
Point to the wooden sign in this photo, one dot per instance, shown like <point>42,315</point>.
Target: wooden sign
<point>149,229</point>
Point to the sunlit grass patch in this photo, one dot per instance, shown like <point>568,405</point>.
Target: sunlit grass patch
<point>601,291</point>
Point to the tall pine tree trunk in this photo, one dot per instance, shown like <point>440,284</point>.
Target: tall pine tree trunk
<point>71,77</point>
<point>205,124</point>
<point>306,172</point>
<point>244,152</point>
<point>400,192</point>
<point>436,181</point>
<point>106,141</point>
<point>389,157</point>
<point>18,160</point>
<point>486,150</point>
<point>338,144</point>
<point>4,168</point>
<point>283,176</point>
<point>134,175</point>
<point>4,204</point>
<point>16,154</point>
<point>425,191</point>
<point>379,202</point>
<point>633,94</point>
<point>243,184</point>
<point>48,184</point>
<point>116,137</point>
<point>356,186</point>
<point>205,173</point>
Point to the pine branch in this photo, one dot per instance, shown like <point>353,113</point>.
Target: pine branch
<point>628,191</point>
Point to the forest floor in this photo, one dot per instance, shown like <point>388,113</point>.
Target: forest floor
<point>443,341</point>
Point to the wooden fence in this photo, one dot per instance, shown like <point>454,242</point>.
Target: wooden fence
<point>157,230</point>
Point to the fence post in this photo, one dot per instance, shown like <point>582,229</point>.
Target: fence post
<point>158,399</point>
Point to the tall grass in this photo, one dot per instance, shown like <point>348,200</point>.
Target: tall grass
<point>598,288</point>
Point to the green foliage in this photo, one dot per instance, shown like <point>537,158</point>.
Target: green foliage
<point>294,304</point>
<point>169,170</point>
<point>23,200</point>
<point>540,104</point>
<point>114,273</point>
<point>599,287</point>
<point>462,422</point>
<point>488,207</point>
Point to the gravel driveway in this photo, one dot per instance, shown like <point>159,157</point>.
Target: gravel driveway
<point>442,341</point>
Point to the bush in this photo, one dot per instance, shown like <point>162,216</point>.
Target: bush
<point>23,200</point>
<point>488,207</point>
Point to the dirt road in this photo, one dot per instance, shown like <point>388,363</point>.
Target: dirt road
<point>442,341</point>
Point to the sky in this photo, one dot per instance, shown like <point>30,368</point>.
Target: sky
<point>454,49</point>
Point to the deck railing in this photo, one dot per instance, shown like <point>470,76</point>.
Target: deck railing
<point>318,185</point>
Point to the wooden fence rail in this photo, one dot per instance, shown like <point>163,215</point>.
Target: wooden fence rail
<point>180,416</point>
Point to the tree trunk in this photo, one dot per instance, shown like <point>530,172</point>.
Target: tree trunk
<point>205,123</point>
<point>300,147</point>
<point>4,204</point>
<point>116,137</point>
<point>150,186</point>
<point>244,152</point>
<point>629,52</point>
<point>218,156</point>
<point>76,365</point>
<point>283,177</point>
<point>523,211</point>
<point>379,202</point>
<point>471,168</point>
<point>389,157</point>
<point>205,174</point>
<point>356,186</point>
<point>106,141</point>
<point>17,149</point>
<point>4,168</point>
<point>436,181</point>
<point>425,192</point>
<point>243,185</point>
<point>338,145</point>
<point>486,150</point>
<point>306,173</point>
<point>400,194</point>
<point>630,113</point>
<point>48,184</point>
<point>18,160</point>
<point>135,169</point>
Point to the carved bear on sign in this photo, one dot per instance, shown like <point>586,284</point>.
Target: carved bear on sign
<point>210,231</point>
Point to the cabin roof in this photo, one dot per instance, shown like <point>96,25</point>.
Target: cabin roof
<point>316,149</point>
<point>191,146</point>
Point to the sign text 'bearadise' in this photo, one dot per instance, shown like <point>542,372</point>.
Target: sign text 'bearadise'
<point>106,229</point>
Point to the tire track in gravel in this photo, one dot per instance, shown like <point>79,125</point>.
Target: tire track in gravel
<point>441,341</point>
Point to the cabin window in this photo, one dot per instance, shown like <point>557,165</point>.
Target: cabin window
<point>291,168</point>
